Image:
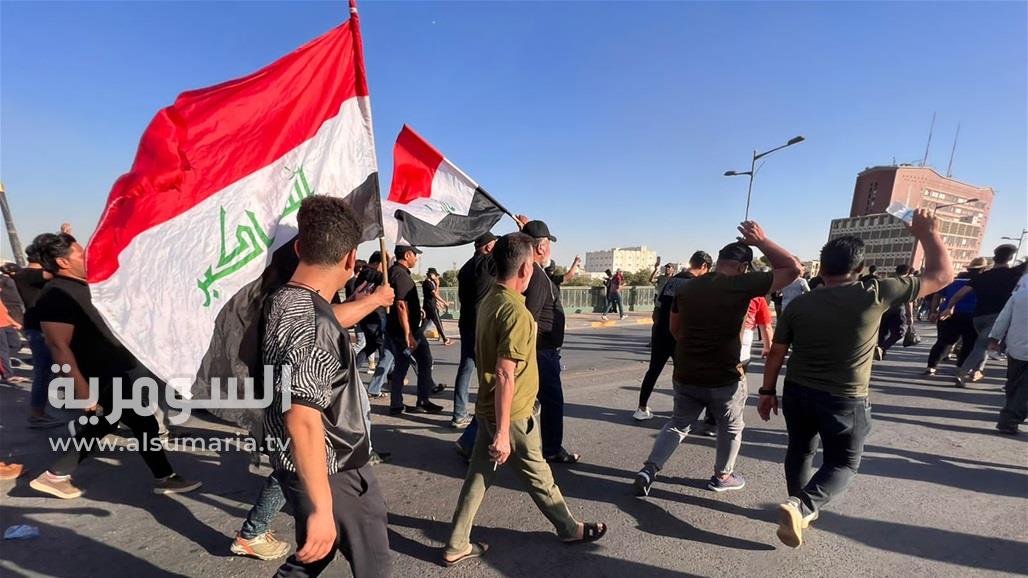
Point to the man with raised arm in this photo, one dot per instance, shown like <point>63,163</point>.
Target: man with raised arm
<point>833,331</point>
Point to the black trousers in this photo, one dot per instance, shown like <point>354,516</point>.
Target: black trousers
<point>841,423</point>
<point>432,316</point>
<point>360,513</point>
<point>956,328</point>
<point>1015,410</point>
<point>663,347</point>
<point>892,329</point>
<point>144,429</point>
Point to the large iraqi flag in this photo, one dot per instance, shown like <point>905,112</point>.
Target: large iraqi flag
<point>201,228</point>
<point>434,203</point>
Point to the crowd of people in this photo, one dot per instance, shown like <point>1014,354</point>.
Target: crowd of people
<point>829,330</point>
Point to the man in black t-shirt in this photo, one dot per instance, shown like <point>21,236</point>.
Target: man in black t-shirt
<point>474,281</point>
<point>991,290</point>
<point>663,345</point>
<point>430,292</point>
<point>30,282</point>
<point>81,343</point>
<point>373,326</point>
<point>405,338</point>
<point>543,300</point>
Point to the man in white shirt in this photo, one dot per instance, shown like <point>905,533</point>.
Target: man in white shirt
<point>794,290</point>
<point>1011,328</point>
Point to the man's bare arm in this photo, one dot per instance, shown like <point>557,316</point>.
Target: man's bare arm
<point>58,339</point>
<point>505,384</point>
<point>938,272</point>
<point>307,436</point>
<point>351,312</point>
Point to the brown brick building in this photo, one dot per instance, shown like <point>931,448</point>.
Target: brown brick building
<point>962,226</point>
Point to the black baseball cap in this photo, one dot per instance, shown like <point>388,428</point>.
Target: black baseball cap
<point>538,230</point>
<point>740,252</point>
<point>484,240</point>
<point>402,250</point>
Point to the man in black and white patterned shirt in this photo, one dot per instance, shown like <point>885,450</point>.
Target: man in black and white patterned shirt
<point>320,443</point>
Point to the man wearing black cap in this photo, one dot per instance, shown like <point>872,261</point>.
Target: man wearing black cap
<point>405,337</point>
<point>706,320</point>
<point>474,281</point>
<point>543,300</point>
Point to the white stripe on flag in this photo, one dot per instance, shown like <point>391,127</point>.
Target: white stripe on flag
<point>154,304</point>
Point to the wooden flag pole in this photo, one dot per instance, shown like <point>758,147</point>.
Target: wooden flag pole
<point>385,263</point>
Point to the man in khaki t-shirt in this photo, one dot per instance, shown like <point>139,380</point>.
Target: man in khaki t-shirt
<point>833,332</point>
<point>508,374</point>
<point>707,322</point>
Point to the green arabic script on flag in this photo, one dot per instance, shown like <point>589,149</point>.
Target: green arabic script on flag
<point>250,238</point>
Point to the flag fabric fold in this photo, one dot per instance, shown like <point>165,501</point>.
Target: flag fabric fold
<point>201,228</point>
<point>435,203</point>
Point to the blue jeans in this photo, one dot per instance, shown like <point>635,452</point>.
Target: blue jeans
<point>467,439</point>
<point>466,368</point>
<point>385,365</point>
<point>422,356</point>
<point>41,362</point>
<point>269,502</point>
<point>613,301</point>
<point>841,423</point>
<point>551,400</point>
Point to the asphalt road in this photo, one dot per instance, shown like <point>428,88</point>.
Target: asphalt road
<point>939,493</point>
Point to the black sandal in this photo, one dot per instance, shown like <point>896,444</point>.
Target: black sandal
<point>563,457</point>
<point>591,532</point>
<point>478,550</point>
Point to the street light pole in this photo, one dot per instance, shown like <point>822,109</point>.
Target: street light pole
<point>749,189</point>
<point>12,233</point>
<point>753,169</point>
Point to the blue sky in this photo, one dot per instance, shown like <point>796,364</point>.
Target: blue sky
<point>612,121</point>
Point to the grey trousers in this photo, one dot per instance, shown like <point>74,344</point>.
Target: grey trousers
<point>983,325</point>
<point>725,405</point>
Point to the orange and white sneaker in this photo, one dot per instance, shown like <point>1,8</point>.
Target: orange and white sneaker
<point>9,471</point>
<point>263,547</point>
<point>58,486</point>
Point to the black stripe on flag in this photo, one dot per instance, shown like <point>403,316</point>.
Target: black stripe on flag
<point>453,229</point>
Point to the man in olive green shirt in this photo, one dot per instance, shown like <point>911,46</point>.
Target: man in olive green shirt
<point>833,332</point>
<point>508,377</point>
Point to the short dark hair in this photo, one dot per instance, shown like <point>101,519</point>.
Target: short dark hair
<point>50,247</point>
<point>1004,253</point>
<point>328,230</point>
<point>842,256</point>
<point>699,259</point>
<point>510,252</point>
<point>902,270</point>
<point>32,254</point>
<point>432,271</point>
<point>872,269</point>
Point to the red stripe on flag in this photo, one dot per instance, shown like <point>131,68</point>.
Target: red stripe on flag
<point>213,137</point>
<point>414,165</point>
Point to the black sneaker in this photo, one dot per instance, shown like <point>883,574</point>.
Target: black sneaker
<point>1010,430</point>
<point>439,388</point>
<point>643,481</point>
<point>396,410</point>
<point>429,407</point>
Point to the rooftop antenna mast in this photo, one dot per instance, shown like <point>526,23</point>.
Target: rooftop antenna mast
<point>929,145</point>
<point>949,167</point>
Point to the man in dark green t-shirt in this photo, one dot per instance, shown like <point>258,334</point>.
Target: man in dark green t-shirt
<point>707,322</point>
<point>833,332</point>
<point>508,432</point>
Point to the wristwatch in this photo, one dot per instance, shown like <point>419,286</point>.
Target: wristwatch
<point>763,391</point>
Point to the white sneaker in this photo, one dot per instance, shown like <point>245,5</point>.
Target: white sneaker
<point>642,414</point>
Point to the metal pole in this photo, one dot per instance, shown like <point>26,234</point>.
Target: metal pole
<point>749,190</point>
<point>12,233</point>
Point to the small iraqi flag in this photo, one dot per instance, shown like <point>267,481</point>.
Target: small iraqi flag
<point>200,230</point>
<point>435,204</point>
